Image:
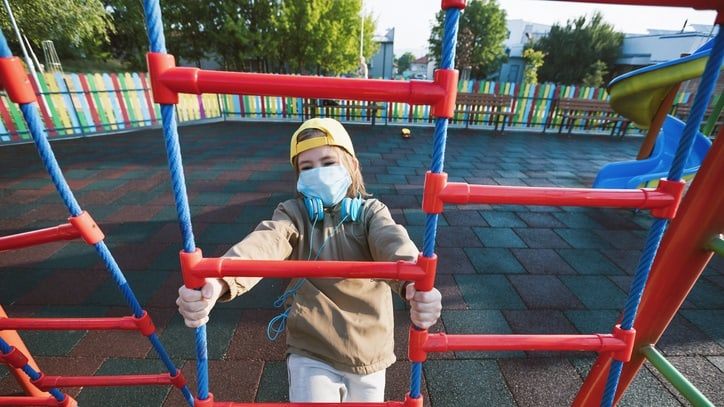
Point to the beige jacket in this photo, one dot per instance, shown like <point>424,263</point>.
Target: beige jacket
<point>346,323</point>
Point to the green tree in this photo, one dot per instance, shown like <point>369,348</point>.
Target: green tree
<point>128,42</point>
<point>77,28</point>
<point>322,36</point>
<point>481,33</point>
<point>404,62</point>
<point>573,52</point>
<point>533,61</point>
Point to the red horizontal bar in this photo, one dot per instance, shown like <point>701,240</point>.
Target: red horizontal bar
<point>368,404</point>
<point>644,198</point>
<point>66,324</point>
<point>36,237</point>
<point>197,81</point>
<point>592,342</point>
<point>49,382</point>
<point>34,401</point>
<point>221,266</point>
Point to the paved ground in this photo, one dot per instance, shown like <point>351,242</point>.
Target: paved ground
<point>503,269</point>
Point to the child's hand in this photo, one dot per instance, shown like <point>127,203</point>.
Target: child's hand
<point>425,306</point>
<point>195,305</point>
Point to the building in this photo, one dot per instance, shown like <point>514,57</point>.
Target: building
<point>381,65</point>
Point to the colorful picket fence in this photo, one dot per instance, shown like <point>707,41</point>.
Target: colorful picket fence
<point>77,105</point>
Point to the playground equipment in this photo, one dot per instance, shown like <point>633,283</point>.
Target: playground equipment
<point>658,289</point>
<point>645,97</point>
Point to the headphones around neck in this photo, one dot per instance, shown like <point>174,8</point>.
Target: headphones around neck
<point>349,208</point>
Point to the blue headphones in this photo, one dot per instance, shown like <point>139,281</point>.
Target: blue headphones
<point>350,209</point>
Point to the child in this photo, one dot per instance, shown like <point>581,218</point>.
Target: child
<point>339,331</point>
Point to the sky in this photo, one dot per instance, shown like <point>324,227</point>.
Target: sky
<point>412,19</point>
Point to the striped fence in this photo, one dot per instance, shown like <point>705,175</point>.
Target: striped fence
<point>76,105</point>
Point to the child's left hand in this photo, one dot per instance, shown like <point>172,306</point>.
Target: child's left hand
<point>425,306</point>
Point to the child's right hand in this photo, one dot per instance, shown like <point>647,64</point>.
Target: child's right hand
<point>195,305</point>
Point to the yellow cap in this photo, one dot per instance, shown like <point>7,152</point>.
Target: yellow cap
<point>335,135</point>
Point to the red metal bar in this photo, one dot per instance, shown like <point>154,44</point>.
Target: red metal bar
<point>592,342</point>
<point>16,401</point>
<point>680,260</point>
<point>195,268</point>
<point>64,324</point>
<point>382,404</point>
<point>48,382</point>
<point>36,237</point>
<point>644,198</point>
<point>12,338</point>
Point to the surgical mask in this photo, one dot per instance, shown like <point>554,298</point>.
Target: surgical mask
<point>329,184</point>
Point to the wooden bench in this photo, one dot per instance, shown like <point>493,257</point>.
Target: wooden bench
<point>682,111</point>
<point>598,113</point>
<point>485,104</point>
<point>311,108</point>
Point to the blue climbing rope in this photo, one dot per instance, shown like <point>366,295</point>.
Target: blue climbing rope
<point>157,44</point>
<point>449,42</point>
<point>39,135</point>
<point>706,88</point>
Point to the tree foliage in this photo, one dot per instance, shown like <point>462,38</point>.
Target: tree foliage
<point>77,28</point>
<point>585,50</point>
<point>404,62</point>
<point>481,33</point>
<point>533,61</point>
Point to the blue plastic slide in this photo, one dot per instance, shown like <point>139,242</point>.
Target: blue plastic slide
<point>638,173</point>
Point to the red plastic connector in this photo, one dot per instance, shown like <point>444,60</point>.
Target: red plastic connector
<point>188,262</point>
<point>627,336</point>
<point>416,350</point>
<point>434,183</point>
<point>158,64</point>
<point>209,402</point>
<point>448,80</point>
<point>15,81</point>
<point>89,230</point>
<point>676,190</point>
<point>429,267</point>
<point>145,324</point>
<point>14,358</point>
<point>410,402</point>
<point>178,380</point>
<point>459,4</point>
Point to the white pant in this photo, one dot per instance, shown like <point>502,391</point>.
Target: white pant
<point>313,381</point>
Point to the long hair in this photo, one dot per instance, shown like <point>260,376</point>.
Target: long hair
<point>349,162</point>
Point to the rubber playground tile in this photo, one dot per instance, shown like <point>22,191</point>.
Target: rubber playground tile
<point>54,343</point>
<point>542,261</point>
<point>596,292</point>
<point>541,238</point>
<point>480,322</point>
<point>593,321</point>
<point>540,220</point>
<point>498,237</point>
<point>482,383</point>
<point>228,380</point>
<point>502,219</point>
<point>706,295</point>
<point>120,396</point>
<point>465,218</point>
<point>702,374</point>
<point>589,262</point>
<point>274,384</point>
<point>453,260</point>
<point>541,382</point>
<point>456,236</point>
<point>573,217</point>
<point>494,261</point>
<point>488,292</point>
<point>143,285</point>
<point>703,320</point>
<point>683,338</point>
<point>179,340</point>
<point>64,287</point>
<point>583,239</point>
<point>544,292</point>
<point>250,340</point>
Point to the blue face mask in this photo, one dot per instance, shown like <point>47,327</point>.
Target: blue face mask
<point>329,184</point>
